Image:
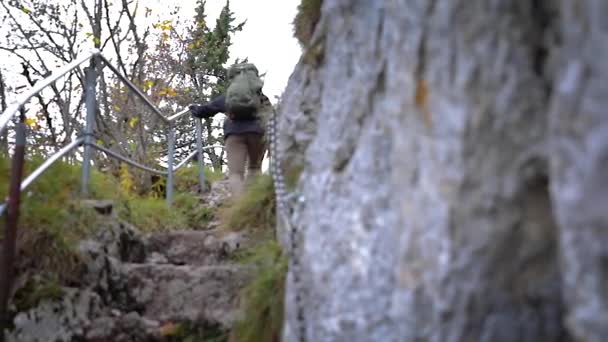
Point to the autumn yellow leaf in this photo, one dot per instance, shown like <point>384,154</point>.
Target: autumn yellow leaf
<point>125,179</point>
<point>148,84</point>
<point>88,34</point>
<point>171,92</point>
<point>162,92</point>
<point>164,25</point>
<point>116,107</point>
<point>96,41</point>
<point>169,329</point>
<point>30,122</point>
<point>26,10</point>
<point>133,122</point>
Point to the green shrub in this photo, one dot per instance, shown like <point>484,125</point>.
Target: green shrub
<point>60,183</point>
<point>190,332</point>
<point>36,291</point>
<point>190,208</point>
<point>51,220</point>
<point>152,214</point>
<point>186,178</point>
<point>263,297</point>
<point>307,16</point>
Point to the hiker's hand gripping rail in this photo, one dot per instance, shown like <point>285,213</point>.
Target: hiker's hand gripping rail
<point>178,115</point>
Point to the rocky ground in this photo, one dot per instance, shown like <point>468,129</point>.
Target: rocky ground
<point>153,287</point>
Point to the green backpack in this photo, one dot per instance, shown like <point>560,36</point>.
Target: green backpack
<point>244,93</point>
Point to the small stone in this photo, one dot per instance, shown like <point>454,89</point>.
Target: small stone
<point>103,207</point>
<point>157,258</point>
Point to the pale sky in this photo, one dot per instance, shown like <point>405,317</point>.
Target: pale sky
<point>267,38</point>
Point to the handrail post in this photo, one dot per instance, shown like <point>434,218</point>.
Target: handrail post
<point>170,160</point>
<point>91,106</point>
<point>199,148</point>
<point>10,238</point>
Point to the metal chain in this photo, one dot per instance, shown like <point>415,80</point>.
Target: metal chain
<point>283,212</point>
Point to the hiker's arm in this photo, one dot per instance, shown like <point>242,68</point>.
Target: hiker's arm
<point>217,105</point>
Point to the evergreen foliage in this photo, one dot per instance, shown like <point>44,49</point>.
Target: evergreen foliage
<point>307,16</point>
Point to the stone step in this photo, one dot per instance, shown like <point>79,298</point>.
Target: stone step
<point>170,293</point>
<point>193,247</point>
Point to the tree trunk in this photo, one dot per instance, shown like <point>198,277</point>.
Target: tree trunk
<point>216,160</point>
<point>3,105</point>
<point>454,178</point>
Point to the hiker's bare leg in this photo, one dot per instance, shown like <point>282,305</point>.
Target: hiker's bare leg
<point>256,146</point>
<point>236,153</point>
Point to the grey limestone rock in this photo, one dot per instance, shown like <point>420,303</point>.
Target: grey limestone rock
<point>454,172</point>
<point>63,320</point>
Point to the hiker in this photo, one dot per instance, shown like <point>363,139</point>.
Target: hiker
<point>243,127</point>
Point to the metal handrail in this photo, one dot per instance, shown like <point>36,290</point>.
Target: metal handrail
<point>86,140</point>
<point>194,153</point>
<point>179,115</point>
<point>127,160</point>
<point>43,167</point>
<point>47,163</point>
<point>136,90</point>
<point>80,141</point>
<point>13,109</point>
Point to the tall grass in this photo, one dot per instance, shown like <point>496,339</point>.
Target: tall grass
<point>254,209</point>
<point>263,297</point>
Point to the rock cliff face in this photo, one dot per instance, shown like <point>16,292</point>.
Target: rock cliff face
<point>454,184</point>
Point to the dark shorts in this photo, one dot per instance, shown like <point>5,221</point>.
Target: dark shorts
<point>242,127</point>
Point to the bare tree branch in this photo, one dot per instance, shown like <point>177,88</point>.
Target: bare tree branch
<point>112,37</point>
<point>44,105</point>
